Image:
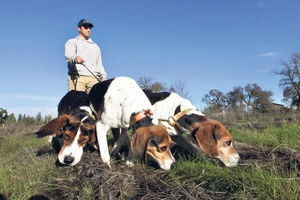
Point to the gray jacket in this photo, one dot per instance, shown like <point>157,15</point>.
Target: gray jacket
<point>89,51</point>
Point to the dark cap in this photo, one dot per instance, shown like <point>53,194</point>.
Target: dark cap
<point>85,22</point>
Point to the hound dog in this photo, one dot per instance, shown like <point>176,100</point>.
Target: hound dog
<point>179,116</point>
<point>72,129</point>
<point>121,103</point>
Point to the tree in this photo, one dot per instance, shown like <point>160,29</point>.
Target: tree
<point>290,81</point>
<point>215,100</point>
<point>236,98</point>
<point>252,91</point>
<point>20,118</point>
<point>47,119</point>
<point>11,119</point>
<point>257,99</point>
<point>251,97</point>
<point>38,118</point>
<point>179,88</point>
<point>263,101</point>
<point>146,83</point>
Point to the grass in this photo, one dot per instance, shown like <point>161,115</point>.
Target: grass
<point>23,174</point>
<point>250,182</point>
<point>286,135</point>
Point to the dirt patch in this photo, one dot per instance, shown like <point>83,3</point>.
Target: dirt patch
<point>280,157</point>
<point>146,182</point>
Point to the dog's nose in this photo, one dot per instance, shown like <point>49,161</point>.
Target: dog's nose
<point>68,159</point>
<point>240,161</point>
<point>173,165</point>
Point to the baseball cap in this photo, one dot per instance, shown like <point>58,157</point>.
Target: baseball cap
<point>84,22</point>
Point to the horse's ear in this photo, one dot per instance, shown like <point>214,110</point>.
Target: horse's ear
<point>54,127</point>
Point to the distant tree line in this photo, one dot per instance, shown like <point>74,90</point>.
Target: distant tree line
<point>250,98</point>
<point>25,120</point>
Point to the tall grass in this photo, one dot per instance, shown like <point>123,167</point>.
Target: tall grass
<point>22,173</point>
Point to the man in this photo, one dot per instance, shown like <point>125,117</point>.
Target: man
<point>84,59</point>
<point>3,116</point>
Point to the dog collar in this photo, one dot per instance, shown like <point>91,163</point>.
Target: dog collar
<point>173,120</point>
<point>92,116</point>
<point>142,115</point>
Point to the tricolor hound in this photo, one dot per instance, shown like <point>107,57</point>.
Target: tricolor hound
<point>121,103</point>
<point>179,116</point>
<point>72,129</point>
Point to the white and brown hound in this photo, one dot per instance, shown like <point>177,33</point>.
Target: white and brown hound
<point>179,116</point>
<point>72,129</point>
<point>121,103</point>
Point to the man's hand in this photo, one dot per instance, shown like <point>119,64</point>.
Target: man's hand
<point>104,78</point>
<point>78,60</point>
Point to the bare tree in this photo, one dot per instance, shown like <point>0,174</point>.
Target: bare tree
<point>179,88</point>
<point>147,83</point>
<point>290,81</point>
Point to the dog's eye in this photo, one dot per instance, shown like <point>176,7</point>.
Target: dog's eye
<point>164,148</point>
<point>83,140</point>
<point>87,132</point>
<point>67,137</point>
<point>228,143</point>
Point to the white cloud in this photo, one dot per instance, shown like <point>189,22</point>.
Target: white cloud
<point>267,54</point>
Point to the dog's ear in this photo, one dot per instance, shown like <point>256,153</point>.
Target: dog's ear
<point>139,142</point>
<point>207,139</point>
<point>93,139</point>
<point>54,127</point>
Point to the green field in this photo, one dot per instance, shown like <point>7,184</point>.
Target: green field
<point>270,169</point>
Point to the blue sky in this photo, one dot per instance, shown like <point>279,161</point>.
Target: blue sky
<point>205,44</point>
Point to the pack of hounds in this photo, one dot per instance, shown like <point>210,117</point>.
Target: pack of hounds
<point>154,120</point>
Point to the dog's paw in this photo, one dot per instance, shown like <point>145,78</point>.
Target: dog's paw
<point>129,163</point>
